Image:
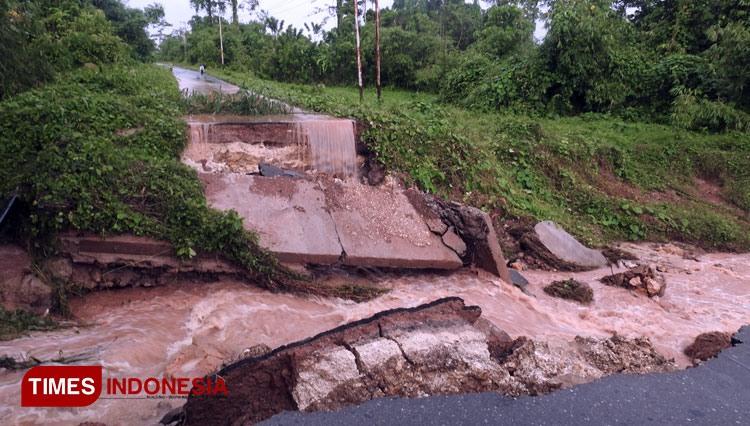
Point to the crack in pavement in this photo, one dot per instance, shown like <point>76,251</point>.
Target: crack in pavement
<point>403,353</point>
<point>363,371</point>
<point>327,209</point>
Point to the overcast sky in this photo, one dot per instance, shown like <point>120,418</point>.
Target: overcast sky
<point>293,12</point>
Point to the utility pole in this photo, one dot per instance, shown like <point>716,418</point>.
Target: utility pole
<point>377,47</point>
<point>221,43</point>
<point>359,51</point>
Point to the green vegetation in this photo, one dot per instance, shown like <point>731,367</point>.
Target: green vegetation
<point>97,149</point>
<point>678,62</point>
<point>41,37</point>
<point>241,103</point>
<point>604,127</point>
<point>602,178</point>
<point>16,323</point>
<point>607,126</point>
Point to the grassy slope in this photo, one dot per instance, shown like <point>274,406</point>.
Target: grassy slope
<point>601,178</point>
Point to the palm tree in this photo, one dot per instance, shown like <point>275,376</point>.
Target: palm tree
<point>274,25</point>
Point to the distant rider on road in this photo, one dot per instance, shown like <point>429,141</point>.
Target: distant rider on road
<point>202,69</point>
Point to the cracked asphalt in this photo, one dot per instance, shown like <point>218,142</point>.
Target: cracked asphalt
<point>715,393</point>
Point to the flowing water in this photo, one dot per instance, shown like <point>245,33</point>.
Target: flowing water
<point>331,144</point>
<point>187,329</point>
<point>295,141</point>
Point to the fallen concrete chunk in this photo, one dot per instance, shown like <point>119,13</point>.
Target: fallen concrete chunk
<point>472,225</point>
<point>325,221</point>
<point>566,248</point>
<point>454,242</point>
<point>440,348</point>
<point>518,279</point>
<point>289,215</point>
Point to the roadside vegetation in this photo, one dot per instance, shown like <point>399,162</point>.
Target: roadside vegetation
<point>97,147</point>
<point>618,125</point>
<point>629,120</point>
<point>601,177</point>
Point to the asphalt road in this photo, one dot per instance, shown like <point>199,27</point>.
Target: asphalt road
<point>194,81</point>
<point>716,393</point>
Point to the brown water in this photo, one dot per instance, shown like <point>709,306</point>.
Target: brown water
<point>186,330</point>
<point>331,144</point>
<point>237,144</point>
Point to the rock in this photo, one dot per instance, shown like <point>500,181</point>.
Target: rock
<point>518,279</point>
<point>473,226</point>
<point>642,279</point>
<point>571,290</point>
<point>454,242</point>
<point>615,255</point>
<point>269,170</point>
<point>654,287</point>
<point>173,416</point>
<point>440,348</point>
<point>35,294</point>
<point>60,267</point>
<point>620,355</point>
<point>574,255</point>
<point>499,343</point>
<point>708,345</point>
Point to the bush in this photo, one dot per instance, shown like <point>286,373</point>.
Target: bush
<point>75,170</point>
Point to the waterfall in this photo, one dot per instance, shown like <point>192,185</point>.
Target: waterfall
<point>200,135</point>
<point>331,145</point>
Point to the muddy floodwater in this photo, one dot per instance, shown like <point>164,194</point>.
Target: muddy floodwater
<point>187,329</point>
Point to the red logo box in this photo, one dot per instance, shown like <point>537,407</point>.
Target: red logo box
<point>61,386</point>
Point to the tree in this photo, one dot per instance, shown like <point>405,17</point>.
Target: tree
<point>593,54</point>
<point>508,29</point>
<point>212,7</point>
<point>274,25</point>
<point>20,29</point>
<point>682,26</point>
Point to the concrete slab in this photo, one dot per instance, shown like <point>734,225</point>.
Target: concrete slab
<point>380,227</point>
<point>567,248</point>
<point>141,252</point>
<point>289,215</point>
